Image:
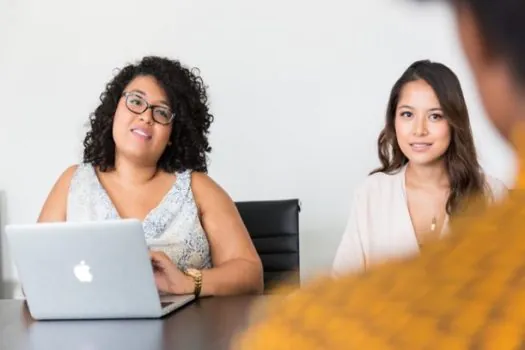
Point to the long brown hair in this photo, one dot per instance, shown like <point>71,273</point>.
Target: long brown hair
<point>461,161</point>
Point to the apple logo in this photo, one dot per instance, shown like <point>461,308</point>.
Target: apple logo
<point>82,272</point>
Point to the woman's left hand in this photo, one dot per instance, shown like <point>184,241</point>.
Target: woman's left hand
<point>168,278</point>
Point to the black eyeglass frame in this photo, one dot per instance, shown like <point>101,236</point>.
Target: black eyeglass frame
<point>129,94</point>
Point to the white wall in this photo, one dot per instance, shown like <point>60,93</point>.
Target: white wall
<point>298,88</point>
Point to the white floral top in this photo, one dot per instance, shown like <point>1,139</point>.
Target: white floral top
<point>173,226</point>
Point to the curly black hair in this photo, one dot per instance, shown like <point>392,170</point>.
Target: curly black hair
<point>187,96</point>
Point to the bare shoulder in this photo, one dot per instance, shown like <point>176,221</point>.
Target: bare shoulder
<point>67,174</point>
<point>64,180</point>
<point>54,208</point>
<point>203,184</point>
<point>201,179</point>
<point>208,193</point>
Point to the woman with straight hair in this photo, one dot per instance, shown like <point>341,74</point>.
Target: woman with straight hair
<point>429,171</point>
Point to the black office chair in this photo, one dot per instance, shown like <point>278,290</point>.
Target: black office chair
<point>274,229</point>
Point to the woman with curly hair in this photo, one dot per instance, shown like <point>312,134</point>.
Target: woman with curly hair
<point>145,158</point>
<point>429,171</point>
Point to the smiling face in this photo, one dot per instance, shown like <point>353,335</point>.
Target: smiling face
<point>142,136</point>
<point>422,132</point>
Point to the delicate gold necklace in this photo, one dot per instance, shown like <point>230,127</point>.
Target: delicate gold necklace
<point>433,225</point>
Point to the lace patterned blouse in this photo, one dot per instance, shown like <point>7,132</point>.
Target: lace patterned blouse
<point>173,226</point>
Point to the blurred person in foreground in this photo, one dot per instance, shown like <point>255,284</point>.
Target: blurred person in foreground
<point>466,291</point>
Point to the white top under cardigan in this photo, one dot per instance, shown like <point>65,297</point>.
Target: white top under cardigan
<point>380,227</point>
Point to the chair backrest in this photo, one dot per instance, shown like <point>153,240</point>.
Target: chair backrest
<point>274,229</point>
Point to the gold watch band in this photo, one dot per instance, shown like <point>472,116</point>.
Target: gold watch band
<point>197,278</point>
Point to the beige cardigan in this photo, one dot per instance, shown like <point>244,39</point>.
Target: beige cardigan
<point>379,226</point>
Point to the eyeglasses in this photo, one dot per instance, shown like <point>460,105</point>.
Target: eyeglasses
<point>138,105</point>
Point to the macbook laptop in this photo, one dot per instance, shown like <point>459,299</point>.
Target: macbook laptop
<point>88,270</point>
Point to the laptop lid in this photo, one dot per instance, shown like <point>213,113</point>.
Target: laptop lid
<point>80,270</point>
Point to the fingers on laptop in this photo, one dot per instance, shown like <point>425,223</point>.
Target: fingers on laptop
<point>160,260</point>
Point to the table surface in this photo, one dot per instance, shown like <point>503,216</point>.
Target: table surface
<point>208,323</point>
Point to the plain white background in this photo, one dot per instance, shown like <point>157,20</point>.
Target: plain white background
<point>298,89</point>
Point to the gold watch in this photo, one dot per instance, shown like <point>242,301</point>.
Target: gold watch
<point>197,278</point>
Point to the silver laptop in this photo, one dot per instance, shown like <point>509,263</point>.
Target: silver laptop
<point>88,270</point>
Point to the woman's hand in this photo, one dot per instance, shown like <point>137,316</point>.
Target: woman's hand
<point>168,278</point>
